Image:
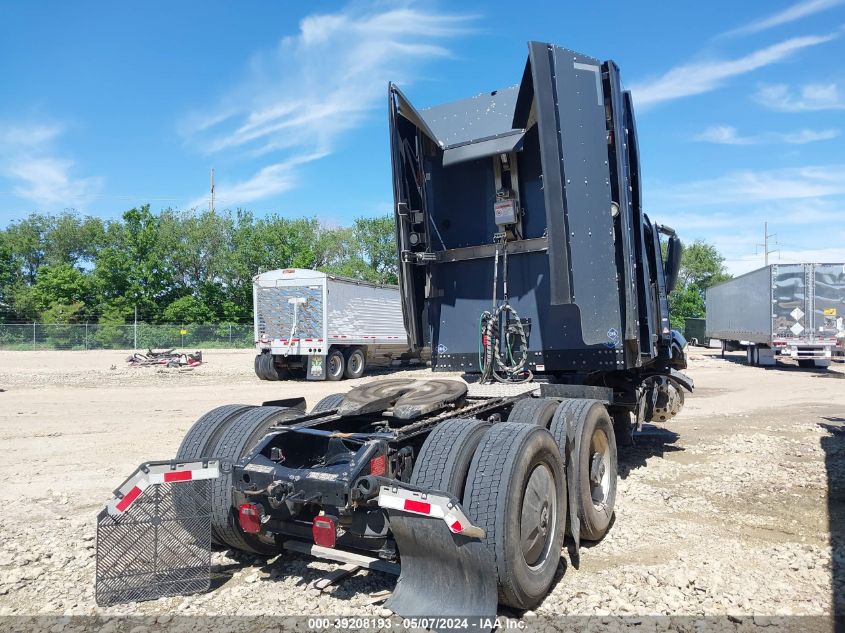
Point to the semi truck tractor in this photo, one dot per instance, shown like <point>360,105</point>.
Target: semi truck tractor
<point>528,264</point>
<point>783,310</point>
<point>322,327</point>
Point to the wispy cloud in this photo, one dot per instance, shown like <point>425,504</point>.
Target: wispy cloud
<point>728,135</point>
<point>299,99</point>
<point>699,77</point>
<point>809,97</point>
<point>37,174</point>
<point>790,14</point>
<point>748,186</point>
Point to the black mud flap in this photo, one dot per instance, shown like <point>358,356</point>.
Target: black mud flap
<point>573,483</point>
<point>446,579</point>
<point>154,537</point>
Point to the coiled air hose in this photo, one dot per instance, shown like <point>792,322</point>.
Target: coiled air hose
<point>492,338</point>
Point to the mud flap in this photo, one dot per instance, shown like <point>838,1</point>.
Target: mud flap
<point>573,476</point>
<point>444,576</point>
<point>154,536</point>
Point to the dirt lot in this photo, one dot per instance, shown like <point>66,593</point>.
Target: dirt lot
<point>735,507</point>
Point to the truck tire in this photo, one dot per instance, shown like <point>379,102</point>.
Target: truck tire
<point>539,411</point>
<point>328,403</point>
<point>445,457</point>
<point>258,368</point>
<point>335,365</point>
<point>595,483</point>
<point>270,369</point>
<point>199,442</point>
<point>514,465</point>
<point>237,440</point>
<point>356,362</point>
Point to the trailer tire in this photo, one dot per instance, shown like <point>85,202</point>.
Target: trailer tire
<point>199,442</point>
<point>335,364</point>
<point>593,431</point>
<point>258,370</point>
<point>237,440</point>
<point>445,457</point>
<point>328,403</point>
<point>270,368</point>
<point>356,362</point>
<point>511,460</point>
<point>539,411</point>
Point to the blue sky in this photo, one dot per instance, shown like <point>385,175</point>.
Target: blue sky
<point>740,105</point>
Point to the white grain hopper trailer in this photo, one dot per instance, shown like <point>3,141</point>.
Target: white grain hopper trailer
<point>321,327</point>
<point>789,310</point>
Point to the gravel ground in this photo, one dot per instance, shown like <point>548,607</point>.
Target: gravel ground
<point>735,507</point>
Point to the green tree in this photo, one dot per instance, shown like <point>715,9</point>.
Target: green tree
<point>188,310</point>
<point>702,266</point>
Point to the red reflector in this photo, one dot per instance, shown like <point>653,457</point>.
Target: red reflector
<point>324,531</point>
<point>129,498</point>
<point>456,527</point>
<point>417,506</point>
<point>182,475</point>
<point>378,465</point>
<point>249,516</point>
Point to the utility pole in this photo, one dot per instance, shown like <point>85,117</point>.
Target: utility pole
<point>765,243</point>
<point>136,326</point>
<point>211,206</point>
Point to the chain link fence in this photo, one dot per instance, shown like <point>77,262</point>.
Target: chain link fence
<point>81,336</point>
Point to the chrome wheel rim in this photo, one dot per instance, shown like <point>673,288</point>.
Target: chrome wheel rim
<point>335,366</point>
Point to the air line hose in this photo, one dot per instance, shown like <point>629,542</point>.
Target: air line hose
<point>493,337</point>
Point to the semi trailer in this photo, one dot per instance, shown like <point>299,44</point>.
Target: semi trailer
<point>782,310</point>
<point>528,264</point>
<point>312,325</point>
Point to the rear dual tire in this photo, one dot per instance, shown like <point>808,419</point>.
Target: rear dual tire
<point>228,433</point>
<point>596,462</point>
<point>516,492</point>
<point>266,368</point>
<point>510,479</point>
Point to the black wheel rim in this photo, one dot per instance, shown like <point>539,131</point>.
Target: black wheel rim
<point>538,521</point>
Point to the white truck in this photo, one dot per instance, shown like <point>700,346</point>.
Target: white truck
<point>788,310</point>
<point>321,327</point>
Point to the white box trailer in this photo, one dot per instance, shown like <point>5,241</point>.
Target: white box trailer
<point>789,310</point>
<point>321,327</point>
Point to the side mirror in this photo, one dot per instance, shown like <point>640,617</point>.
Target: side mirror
<point>672,265</point>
